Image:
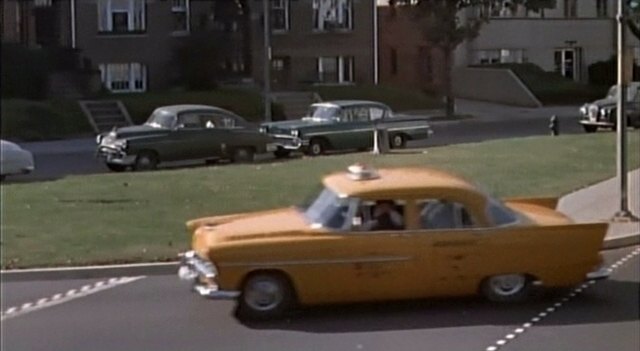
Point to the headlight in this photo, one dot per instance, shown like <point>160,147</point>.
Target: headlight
<point>262,130</point>
<point>583,110</point>
<point>604,112</point>
<point>122,144</point>
<point>98,138</point>
<point>295,132</point>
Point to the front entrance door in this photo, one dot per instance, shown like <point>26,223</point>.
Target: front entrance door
<point>567,62</point>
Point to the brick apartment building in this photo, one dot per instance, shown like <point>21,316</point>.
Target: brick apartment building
<point>316,42</point>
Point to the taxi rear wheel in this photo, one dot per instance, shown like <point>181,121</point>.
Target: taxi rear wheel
<point>506,287</point>
<point>265,295</point>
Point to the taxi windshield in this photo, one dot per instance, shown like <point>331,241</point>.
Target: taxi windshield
<point>328,210</point>
<point>161,119</point>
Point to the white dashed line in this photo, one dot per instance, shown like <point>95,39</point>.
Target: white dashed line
<point>68,296</point>
<point>518,331</point>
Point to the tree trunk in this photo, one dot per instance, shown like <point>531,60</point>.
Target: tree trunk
<point>448,86</point>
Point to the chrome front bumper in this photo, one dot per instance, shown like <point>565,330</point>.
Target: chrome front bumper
<point>202,274</point>
<point>289,142</point>
<point>116,156</point>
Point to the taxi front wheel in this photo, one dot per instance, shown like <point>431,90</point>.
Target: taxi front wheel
<point>265,296</point>
<point>506,287</point>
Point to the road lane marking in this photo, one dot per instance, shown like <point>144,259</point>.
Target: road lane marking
<point>68,296</point>
<point>556,306</point>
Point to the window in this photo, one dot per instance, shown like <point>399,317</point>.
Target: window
<point>381,215</point>
<point>442,214</point>
<point>124,77</point>
<point>487,57</point>
<point>180,11</point>
<point>332,14</point>
<point>355,114</point>
<point>376,113</point>
<point>189,120</point>
<point>602,8</point>
<point>570,8</point>
<point>121,16</point>
<point>280,63</point>
<point>335,69</point>
<point>279,15</point>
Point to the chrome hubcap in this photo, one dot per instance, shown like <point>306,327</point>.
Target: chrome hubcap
<point>397,140</point>
<point>507,284</point>
<point>316,149</point>
<point>263,295</point>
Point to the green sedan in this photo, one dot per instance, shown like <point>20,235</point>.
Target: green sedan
<point>344,125</point>
<point>182,132</point>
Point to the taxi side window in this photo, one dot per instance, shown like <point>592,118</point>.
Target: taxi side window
<point>443,214</point>
<point>381,215</point>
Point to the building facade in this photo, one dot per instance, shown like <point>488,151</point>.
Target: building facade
<point>566,39</point>
<point>315,42</point>
<point>134,42</point>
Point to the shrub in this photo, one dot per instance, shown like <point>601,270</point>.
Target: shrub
<point>24,72</point>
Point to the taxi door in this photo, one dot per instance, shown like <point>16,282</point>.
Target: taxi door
<point>450,248</point>
<point>384,266</point>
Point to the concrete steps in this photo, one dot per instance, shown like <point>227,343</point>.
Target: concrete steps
<point>103,115</point>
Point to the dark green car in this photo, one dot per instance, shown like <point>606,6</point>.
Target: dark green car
<point>344,125</point>
<point>182,132</point>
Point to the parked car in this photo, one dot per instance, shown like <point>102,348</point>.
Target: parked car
<point>182,132</point>
<point>14,159</point>
<point>449,239</point>
<point>602,113</point>
<point>344,125</point>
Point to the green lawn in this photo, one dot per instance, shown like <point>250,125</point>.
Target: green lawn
<point>135,217</point>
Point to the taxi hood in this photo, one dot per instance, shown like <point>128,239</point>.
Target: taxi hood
<point>250,226</point>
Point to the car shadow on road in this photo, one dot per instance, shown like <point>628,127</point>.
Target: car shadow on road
<point>591,307</point>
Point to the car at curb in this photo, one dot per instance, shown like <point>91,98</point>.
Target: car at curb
<point>14,160</point>
<point>389,234</point>
<point>182,132</point>
<point>602,113</point>
<point>344,125</point>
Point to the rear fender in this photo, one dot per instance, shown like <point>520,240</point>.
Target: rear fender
<point>548,202</point>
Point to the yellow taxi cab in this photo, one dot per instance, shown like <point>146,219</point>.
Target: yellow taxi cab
<point>388,234</point>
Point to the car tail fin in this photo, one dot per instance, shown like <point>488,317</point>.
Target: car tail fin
<point>548,202</point>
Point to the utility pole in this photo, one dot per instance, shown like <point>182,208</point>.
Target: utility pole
<point>621,141</point>
<point>267,60</point>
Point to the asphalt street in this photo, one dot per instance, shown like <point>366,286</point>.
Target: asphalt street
<point>159,313</point>
<point>55,160</point>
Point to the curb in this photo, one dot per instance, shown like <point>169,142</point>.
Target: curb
<point>171,268</point>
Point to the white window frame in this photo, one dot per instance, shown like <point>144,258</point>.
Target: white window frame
<point>182,6</point>
<point>340,61</point>
<point>106,9</point>
<point>342,14</point>
<point>136,74</point>
<point>495,56</point>
<point>280,5</point>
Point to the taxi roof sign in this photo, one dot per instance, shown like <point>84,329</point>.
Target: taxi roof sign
<point>361,171</point>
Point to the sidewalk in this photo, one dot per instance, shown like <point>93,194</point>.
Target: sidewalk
<point>599,202</point>
<point>488,111</point>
